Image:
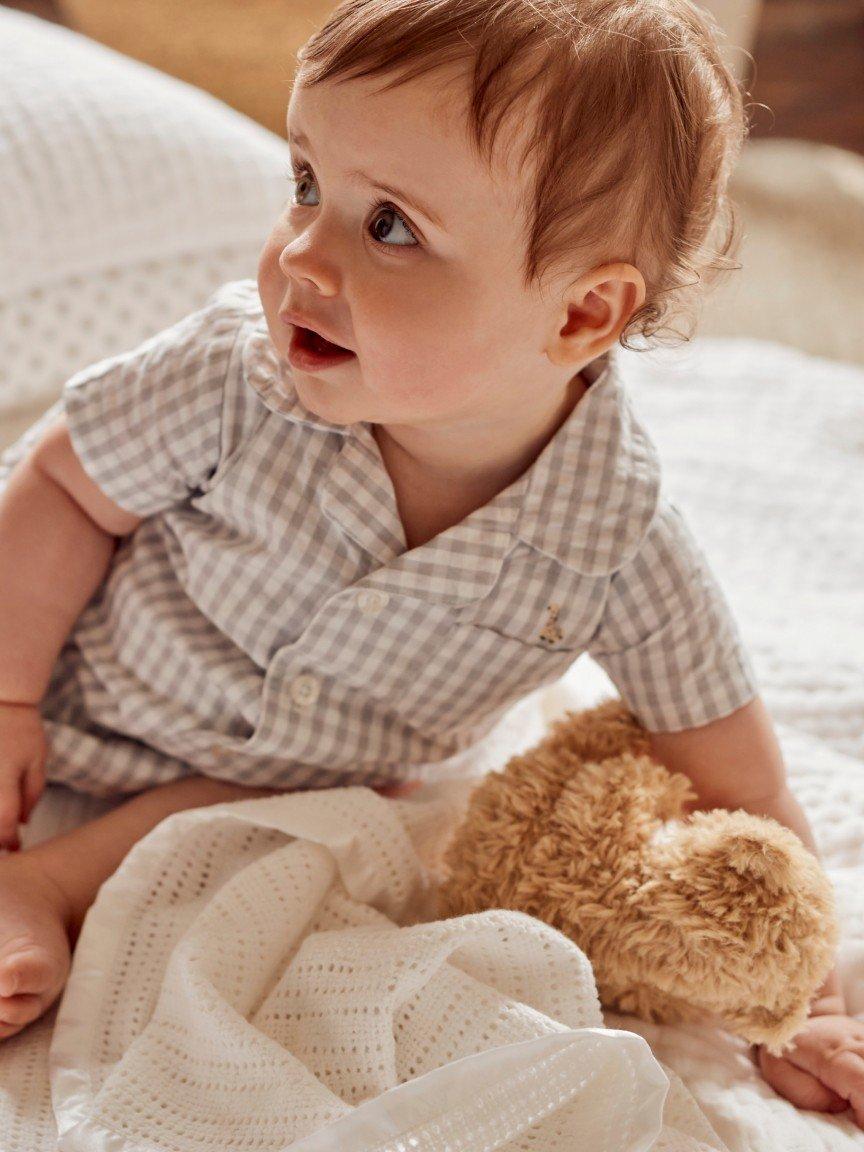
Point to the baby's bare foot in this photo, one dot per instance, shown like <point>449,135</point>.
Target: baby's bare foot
<point>34,941</point>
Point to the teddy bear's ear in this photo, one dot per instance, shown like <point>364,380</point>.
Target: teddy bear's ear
<point>755,919</point>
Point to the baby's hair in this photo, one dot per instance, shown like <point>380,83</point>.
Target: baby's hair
<point>637,124</point>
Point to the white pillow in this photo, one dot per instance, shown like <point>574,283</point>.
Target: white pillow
<point>128,196</point>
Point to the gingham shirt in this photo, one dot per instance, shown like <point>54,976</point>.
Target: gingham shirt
<point>266,622</point>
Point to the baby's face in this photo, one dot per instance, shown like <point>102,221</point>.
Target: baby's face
<point>431,301</point>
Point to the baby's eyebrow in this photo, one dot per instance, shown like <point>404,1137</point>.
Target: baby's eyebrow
<point>355,174</point>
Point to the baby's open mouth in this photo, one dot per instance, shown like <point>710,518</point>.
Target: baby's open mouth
<point>315,343</point>
<point>312,351</point>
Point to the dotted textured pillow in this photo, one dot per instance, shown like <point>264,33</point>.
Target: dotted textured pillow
<point>128,196</point>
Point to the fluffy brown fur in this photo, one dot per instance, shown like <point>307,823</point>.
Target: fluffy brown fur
<point>719,915</point>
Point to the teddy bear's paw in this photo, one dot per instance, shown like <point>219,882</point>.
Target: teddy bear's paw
<point>754,1024</point>
<point>650,1002</point>
<point>774,1027</point>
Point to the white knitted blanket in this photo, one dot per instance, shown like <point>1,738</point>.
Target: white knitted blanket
<point>262,975</point>
<point>245,980</point>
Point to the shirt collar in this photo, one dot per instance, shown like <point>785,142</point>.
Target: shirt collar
<point>594,489</point>
<point>270,376</point>
<point>587,500</point>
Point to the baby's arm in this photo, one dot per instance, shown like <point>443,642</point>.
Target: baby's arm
<point>670,644</point>
<point>736,762</point>
<point>57,537</point>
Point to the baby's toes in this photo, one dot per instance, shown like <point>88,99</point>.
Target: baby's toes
<point>26,967</point>
<point>34,944</point>
<point>18,1011</point>
<point>31,978</point>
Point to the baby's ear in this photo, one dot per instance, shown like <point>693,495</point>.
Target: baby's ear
<point>593,313</point>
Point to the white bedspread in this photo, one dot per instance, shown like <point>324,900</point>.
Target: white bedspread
<point>299,932</point>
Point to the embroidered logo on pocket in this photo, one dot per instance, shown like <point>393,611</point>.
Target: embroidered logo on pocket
<point>551,632</point>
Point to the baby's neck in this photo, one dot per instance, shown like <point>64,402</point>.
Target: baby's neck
<point>473,457</point>
<point>436,487</point>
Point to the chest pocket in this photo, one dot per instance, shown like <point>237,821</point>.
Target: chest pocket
<point>539,603</point>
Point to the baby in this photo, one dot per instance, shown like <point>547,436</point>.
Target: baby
<point>328,528</point>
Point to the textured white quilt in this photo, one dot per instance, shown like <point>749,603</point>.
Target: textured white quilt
<point>219,1004</point>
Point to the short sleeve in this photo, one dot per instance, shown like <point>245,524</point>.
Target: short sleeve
<point>146,424</point>
<point>667,637</point>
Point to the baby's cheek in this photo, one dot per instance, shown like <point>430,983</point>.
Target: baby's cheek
<point>426,380</point>
<point>268,263</point>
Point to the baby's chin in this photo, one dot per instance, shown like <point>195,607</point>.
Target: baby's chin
<point>323,397</point>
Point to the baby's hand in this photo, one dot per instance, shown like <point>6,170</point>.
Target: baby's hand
<point>23,751</point>
<point>824,1070</point>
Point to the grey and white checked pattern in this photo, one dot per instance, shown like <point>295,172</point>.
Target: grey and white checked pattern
<point>266,622</point>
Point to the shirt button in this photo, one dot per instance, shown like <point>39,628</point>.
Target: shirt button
<point>304,690</point>
<point>371,600</point>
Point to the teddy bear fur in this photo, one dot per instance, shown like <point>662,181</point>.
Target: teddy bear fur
<point>718,916</point>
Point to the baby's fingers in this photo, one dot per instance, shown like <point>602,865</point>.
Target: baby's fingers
<point>32,787</point>
<point>837,1060</point>
<point>797,1086</point>
<point>10,808</point>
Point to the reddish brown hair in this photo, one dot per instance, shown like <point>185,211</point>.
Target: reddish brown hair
<point>635,122</point>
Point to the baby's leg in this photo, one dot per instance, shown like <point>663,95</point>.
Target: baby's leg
<point>45,890</point>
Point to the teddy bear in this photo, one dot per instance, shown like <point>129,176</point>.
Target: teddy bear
<point>720,916</point>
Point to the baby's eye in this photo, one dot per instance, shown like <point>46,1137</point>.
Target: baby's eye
<point>299,174</point>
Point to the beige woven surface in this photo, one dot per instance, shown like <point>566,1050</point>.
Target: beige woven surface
<point>802,282</point>
<point>242,53</point>
<point>245,53</point>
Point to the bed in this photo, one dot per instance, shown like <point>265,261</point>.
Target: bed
<point>760,423</point>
